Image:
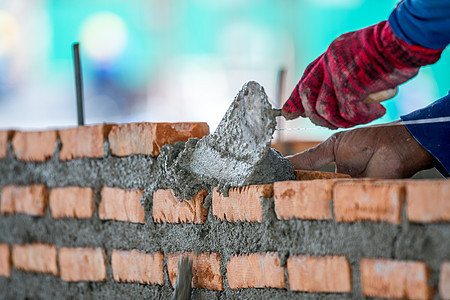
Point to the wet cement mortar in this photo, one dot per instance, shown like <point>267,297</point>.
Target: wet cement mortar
<point>427,243</point>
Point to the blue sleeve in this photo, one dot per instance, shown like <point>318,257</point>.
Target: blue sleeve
<point>422,22</point>
<point>434,137</point>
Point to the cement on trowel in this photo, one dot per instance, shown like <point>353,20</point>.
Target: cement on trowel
<point>238,153</point>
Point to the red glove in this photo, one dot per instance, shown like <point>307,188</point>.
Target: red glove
<point>332,89</point>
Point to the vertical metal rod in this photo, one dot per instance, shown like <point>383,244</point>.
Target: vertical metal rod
<point>281,76</point>
<point>78,83</point>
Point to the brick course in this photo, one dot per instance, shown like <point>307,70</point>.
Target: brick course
<point>331,274</point>
<point>167,208</point>
<point>72,202</point>
<point>312,175</point>
<point>37,257</point>
<point>137,266</point>
<point>205,269</point>
<point>82,264</point>
<point>5,137</point>
<point>30,200</point>
<point>242,204</point>
<point>444,280</point>
<point>121,205</point>
<point>5,260</point>
<point>395,279</point>
<point>34,145</point>
<point>148,138</point>
<point>368,201</point>
<point>256,270</point>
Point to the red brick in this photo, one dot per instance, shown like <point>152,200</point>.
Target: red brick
<point>5,260</point>
<point>167,208</point>
<point>30,200</point>
<point>148,138</point>
<point>444,280</point>
<point>242,204</point>
<point>82,264</point>
<point>256,270</point>
<point>303,199</point>
<point>137,266</point>
<point>331,274</point>
<point>395,279</point>
<point>72,202</point>
<point>121,205</point>
<point>5,137</point>
<point>35,257</point>
<point>428,200</point>
<point>368,201</point>
<point>205,269</point>
<point>312,175</point>
<point>83,141</point>
<point>34,145</point>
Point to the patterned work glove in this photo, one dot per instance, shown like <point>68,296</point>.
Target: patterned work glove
<point>333,89</point>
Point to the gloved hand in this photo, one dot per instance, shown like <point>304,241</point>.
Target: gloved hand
<point>333,88</point>
<point>382,151</point>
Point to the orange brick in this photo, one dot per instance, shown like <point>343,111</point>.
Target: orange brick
<point>331,274</point>
<point>30,200</point>
<point>35,257</point>
<point>121,205</point>
<point>395,279</point>
<point>82,264</point>
<point>444,280</point>
<point>137,266</point>
<point>256,270</point>
<point>34,145</point>
<point>83,141</point>
<point>167,208</point>
<point>303,199</point>
<point>5,260</point>
<point>205,269</point>
<point>428,200</point>
<point>72,202</point>
<point>148,138</point>
<point>312,175</point>
<point>5,137</point>
<point>242,204</point>
<point>368,201</point>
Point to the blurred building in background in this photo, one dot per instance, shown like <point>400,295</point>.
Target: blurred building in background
<point>175,60</point>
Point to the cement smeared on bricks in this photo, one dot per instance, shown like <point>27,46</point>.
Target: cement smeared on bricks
<point>237,154</point>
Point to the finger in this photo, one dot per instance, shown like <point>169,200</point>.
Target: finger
<point>381,96</point>
<point>315,158</point>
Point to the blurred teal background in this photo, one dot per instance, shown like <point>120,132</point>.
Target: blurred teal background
<point>175,60</point>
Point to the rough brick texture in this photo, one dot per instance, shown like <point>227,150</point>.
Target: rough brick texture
<point>35,257</point>
<point>34,146</point>
<point>137,266</point>
<point>72,202</point>
<point>148,138</point>
<point>444,280</point>
<point>428,200</point>
<point>368,201</point>
<point>5,137</point>
<point>167,208</point>
<point>83,141</point>
<point>330,274</point>
<point>312,175</point>
<point>242,204</point>
<point>30,200</point>
<point>395,279</point>
<point>256,270</point>
<point>82,264</point>
<point>121,205</point>
<point>5,260</point>
<point>205,269</point>
<point>303,199</point>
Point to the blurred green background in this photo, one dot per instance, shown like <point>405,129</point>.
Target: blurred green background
<point>175,60</point>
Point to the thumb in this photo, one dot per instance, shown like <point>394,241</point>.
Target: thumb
<point>315,158</point>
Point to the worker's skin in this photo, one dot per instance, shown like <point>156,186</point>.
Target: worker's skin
<point>382,151</point>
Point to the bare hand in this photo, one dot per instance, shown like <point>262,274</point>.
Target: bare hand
<point>382,151</point>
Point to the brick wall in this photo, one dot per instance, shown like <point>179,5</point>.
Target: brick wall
<point>79,218</point>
